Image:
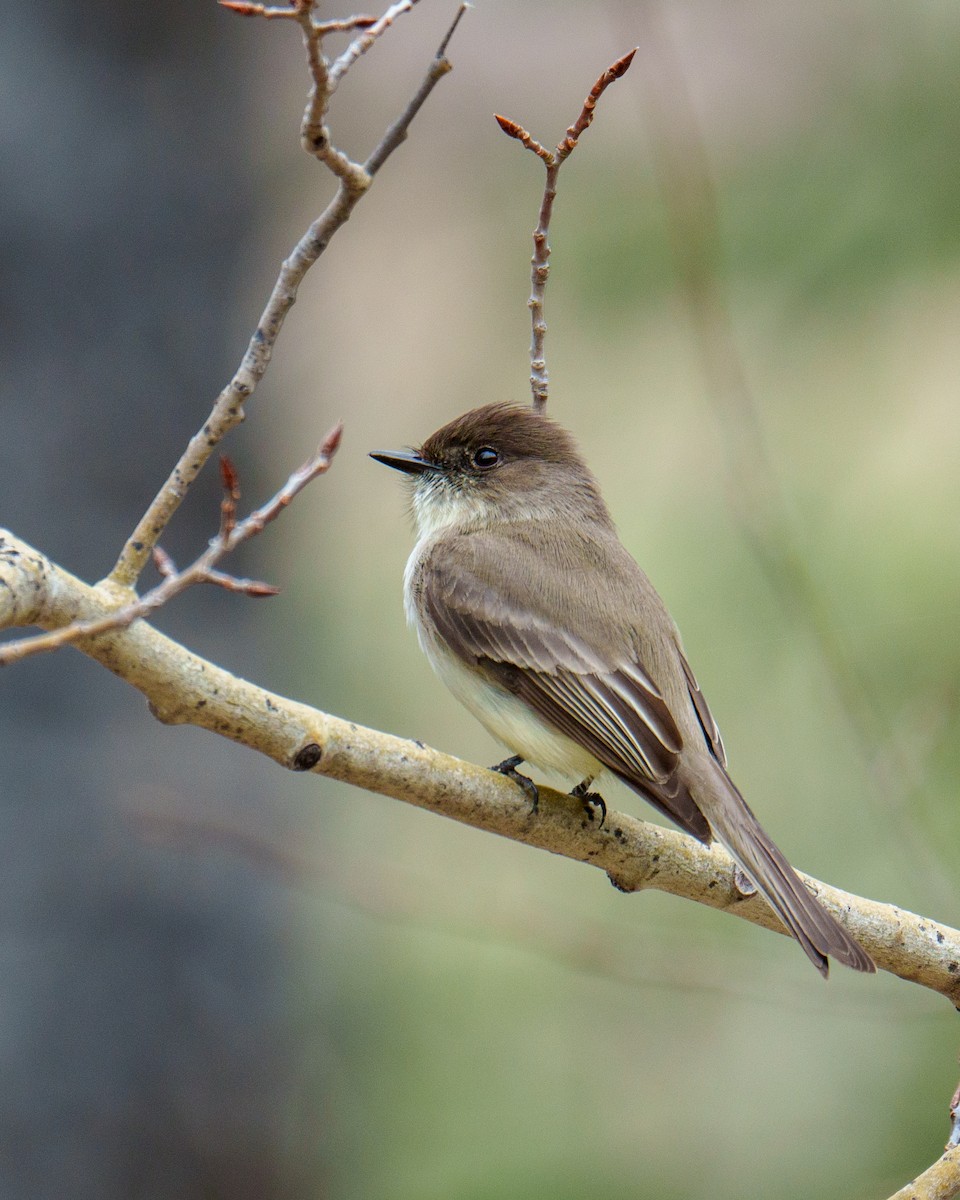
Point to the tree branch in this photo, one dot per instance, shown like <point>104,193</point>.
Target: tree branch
<point>183,688</point>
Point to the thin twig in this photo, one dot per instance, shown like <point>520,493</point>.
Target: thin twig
<point>539,264</point>
<point>292,12</point>
<point>271,12</point>
<point>314,136</point>
<point>360,45</point>
<point>345,24</point>
<point>584,121</point>
<point>202,570</point>
<point>397,133</point>
<point>228,410</point>
<point>512,129</point>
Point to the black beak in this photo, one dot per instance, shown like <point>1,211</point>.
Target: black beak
<point>403,460</point>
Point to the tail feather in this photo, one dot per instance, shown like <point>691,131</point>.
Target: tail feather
<point>734,824</point>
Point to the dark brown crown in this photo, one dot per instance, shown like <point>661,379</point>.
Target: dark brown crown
<point>513,431</point>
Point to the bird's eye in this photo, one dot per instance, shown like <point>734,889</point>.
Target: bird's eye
<point>485,458</point>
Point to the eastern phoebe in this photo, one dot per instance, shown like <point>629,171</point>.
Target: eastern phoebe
<point>537,619</point>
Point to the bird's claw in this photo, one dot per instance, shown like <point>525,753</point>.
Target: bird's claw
<point>591,800</point>
<point>509,768</point>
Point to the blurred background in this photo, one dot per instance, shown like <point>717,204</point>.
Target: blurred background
<point>217,979</point>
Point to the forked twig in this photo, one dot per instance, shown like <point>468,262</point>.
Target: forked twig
<point>540,269</point>
<point>353,181</point>
<point>203,570</point>
<point>292,12</point>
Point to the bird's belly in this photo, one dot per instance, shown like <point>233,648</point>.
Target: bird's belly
<point>510,720</point>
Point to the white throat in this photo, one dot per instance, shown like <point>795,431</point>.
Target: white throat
<point>436,507</point>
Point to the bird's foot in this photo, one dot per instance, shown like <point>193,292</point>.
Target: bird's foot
<point>509,768</point>
<point>591,800</point>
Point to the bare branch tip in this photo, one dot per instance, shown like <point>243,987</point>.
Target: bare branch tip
<point>442,48</point>
<point>164,563</point>
<point>257,589</point>
<point>254,588</point>
<point>229,477</point>
<point>622,65</point>
<point>515,130</point>
<point>242,7</point>
<point>331,443</point>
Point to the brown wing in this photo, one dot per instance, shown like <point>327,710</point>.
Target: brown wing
<point>611,708</point>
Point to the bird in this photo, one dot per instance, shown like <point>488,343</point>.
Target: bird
<point>533,613</point>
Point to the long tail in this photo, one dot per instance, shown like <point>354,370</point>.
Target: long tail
<point>738,829</point>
